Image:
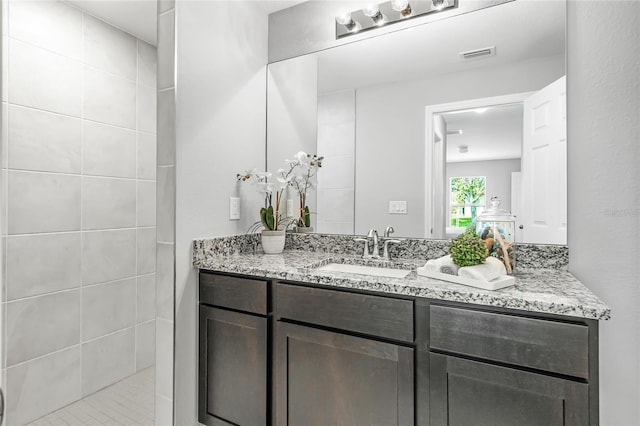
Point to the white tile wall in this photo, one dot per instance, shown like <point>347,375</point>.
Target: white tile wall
<point>40,272</point>
<point>108,98</point>
<point>108,150</point>
<point>108,307</point>
<point>51,25</point>
<point>146,109</point>
<point>43,202</point>
<point>146,207</point>
<point>108,203</point>
<point>45,80</point>
<point>147,64</point>
<point>42,385</point>
<point>164,357</point>
<point>165,271</point>
<point>79,129</point>
<point>146,167</point>
<point>109,49</point>
<point>146,298</point>
<point>51,321</point>
<point>145,345</point>
<point>108,255</point>
<point>114,353</point>
<point>44,141</point>
<point>146,250</point>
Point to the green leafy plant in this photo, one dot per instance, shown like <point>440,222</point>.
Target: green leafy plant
<point>468,249</point>
<point>305,220</point>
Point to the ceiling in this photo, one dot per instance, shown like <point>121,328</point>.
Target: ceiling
<point>493,134</point>
<point>138,17</point>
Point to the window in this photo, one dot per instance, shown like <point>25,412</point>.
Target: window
<point>467,199</point>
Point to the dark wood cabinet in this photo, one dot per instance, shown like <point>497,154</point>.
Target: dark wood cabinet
<point>465,392</point>
<point>233,368</point>
<point>234,351</point>
<point>329,378</point>
<point>295,354</point>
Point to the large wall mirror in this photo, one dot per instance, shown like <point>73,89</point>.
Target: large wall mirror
<point>404,118</point>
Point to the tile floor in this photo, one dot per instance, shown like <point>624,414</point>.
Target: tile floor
<point>126,403</point>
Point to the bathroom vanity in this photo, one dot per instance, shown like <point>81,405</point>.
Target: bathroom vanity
<point>283,343</point>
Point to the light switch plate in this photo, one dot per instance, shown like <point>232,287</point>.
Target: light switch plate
<point>234,208</point>
<point>397,207</point>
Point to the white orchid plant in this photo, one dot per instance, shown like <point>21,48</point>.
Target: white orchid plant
<point>299,175</point>
<point>306,169</point>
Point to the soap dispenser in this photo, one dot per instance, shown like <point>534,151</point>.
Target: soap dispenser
<point>497,226</point>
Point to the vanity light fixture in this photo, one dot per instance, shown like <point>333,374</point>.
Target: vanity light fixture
<point>373,12</point>
<point>402,6</point>
<point>389,12</point>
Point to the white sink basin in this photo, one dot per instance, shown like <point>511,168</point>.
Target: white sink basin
<point>365,270</point>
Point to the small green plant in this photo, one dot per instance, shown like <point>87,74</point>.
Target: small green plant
<point>468,249</point>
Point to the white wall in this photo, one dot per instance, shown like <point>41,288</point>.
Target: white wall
<point>390,135</point>
<point>79,130</point>
<point>220,112</point>
<point>336,178</point>
<point>604,187</point>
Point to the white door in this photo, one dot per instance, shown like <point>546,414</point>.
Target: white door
<point>516,203</point>
<point>544,166</point>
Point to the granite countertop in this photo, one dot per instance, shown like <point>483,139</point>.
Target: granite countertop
<point>553,291</point>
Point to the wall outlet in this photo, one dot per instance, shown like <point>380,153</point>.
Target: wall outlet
<point>397,207</point>
<point>234,208</point>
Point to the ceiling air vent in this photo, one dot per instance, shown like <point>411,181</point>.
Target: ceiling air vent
<point>478,53</point>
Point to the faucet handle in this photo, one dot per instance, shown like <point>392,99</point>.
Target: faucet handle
<point>365,254</point>
<point>389,231</point>
<point>372,232</point>
<point>385,253</point>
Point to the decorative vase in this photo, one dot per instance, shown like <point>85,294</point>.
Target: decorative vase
<point>272,241</point>
<point>304,229</point>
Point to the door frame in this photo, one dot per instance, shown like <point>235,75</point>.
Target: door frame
<point>433,167</point>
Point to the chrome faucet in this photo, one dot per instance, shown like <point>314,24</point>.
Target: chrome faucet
<point>389,231</point>
<point>375,254</point>
<point>365,254</point>
<point>385,254</point>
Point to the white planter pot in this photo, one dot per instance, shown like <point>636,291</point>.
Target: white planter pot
<point>304,229</point>
<point>273,241</point>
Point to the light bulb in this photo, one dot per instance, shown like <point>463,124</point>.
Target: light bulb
<point>373,12</point>
<point>438,4</point>
<point>401,6</point>
<point>348,22</point>
<point>343,19</point>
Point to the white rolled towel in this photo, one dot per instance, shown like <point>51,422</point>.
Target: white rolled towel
<point>443,264</point>
<point>491,269</point>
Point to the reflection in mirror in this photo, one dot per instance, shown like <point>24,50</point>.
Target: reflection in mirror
<point>483,147</point>
<point>368,107</point>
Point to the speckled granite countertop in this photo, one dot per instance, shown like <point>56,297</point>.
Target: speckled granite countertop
<point>553,291</point>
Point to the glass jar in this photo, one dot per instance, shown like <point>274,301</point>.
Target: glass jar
<point>497,227</point>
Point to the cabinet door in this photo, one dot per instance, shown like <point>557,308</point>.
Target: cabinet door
<point>326,378</point>
<point>473,393</point>
<point>232,375</point>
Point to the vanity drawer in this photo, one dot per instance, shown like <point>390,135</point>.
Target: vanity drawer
<point>552,346</point>
<point>361,313</point>
<point>243,294</point>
